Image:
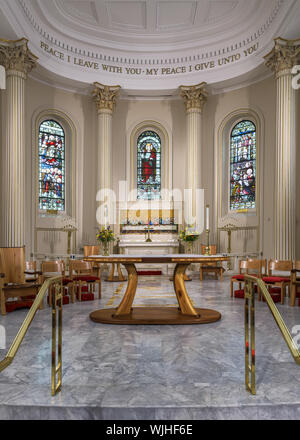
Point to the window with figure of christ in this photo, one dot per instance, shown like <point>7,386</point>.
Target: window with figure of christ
<point>51,166</point>
<point>148,166</point>
<point>243,166</point>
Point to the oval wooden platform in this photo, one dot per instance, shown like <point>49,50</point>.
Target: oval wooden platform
<point>155,315</point>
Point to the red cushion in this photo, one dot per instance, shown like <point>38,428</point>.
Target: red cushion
<point>276,297</point>
<point>65,299</point>
<point>66,281</point>
<point>238,277</point>
<point>83,289</point>
<point>275,290</point>
<point>87,278</point>
<point>28,297</point>
<point>86,296</point>
<point>275,279</point>
<point>239,293</point>
<point>13,305</point>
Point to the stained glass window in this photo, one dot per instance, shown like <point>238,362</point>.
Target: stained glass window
<point>243,166</point>
<point>51,166</point>
<point>148,166</point>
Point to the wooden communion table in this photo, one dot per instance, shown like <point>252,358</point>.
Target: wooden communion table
<point>186,313</point>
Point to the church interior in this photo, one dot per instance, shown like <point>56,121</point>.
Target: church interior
<point>149,209</point>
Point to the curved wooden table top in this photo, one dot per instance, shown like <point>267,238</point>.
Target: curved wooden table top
<point>157,258</point>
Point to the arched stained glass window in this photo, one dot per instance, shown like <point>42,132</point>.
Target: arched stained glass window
<point>148,166</point>
<point>51,166</point>
<point>243,166</point>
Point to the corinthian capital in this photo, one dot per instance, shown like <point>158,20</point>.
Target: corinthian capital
<point>284,55</point>
<point>194,96</point>
<point>15,56</point>
<point>105,96</point>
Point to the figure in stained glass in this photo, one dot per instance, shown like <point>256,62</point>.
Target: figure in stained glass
<point>51,166</point>
<point>148,166</point>
<point>243,166</point>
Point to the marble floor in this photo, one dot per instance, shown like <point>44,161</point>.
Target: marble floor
<point>152,372</point>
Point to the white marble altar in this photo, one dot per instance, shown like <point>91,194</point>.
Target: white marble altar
<point>164,240</point>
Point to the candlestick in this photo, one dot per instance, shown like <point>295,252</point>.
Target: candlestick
<point>207,216</point>
<point>207,247</point>
<point>148,240</point>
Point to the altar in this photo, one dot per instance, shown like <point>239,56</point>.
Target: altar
<point>164,240</point>
<point>186,313</point>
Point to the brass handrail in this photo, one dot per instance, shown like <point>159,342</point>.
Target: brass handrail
<point>56,347</point>
<point>250,295</point>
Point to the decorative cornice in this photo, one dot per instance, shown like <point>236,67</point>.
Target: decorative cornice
<point>114,55</point>
<point>194,96</point>
<point>284,55</point>
<point>15,56</point>
<point>105,96</point>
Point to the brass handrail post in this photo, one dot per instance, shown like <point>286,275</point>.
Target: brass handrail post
<point>56,298</point>
<point>56,369</point>
<point>250,367</point>
<point>250,280</point>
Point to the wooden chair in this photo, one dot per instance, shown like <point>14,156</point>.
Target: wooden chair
<point>93,250</point>
<point>52,268</point>
<point>255,267</point>
<point>31,271</point>
<point>12,272</point>
<point>295,282</point>
<point>279,280</point>
<point>81,272</point>
<point>210,267</point>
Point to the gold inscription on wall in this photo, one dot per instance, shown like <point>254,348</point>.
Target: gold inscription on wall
<point>161,71</point>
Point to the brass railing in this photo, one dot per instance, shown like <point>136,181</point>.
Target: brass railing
<point>250,281</point>
<point>55,284</point>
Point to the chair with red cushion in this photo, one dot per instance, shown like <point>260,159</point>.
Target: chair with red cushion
<point>295,282</point>
<point>53,268</point>
<point>281,281</point>
<point>256,268</point>
<point>82,274</point>
<point>12,279</point>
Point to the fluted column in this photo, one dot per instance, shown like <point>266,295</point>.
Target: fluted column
<point>281,60</point>
<point>105,98</point>
<point>194,98</point>
<point>18,62</point>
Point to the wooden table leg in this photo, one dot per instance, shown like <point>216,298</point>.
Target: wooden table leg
<point>183,299</point>
<point>185,277</point>
<point>119,277</point>
<point>111,275</point>
<point>126,303</point>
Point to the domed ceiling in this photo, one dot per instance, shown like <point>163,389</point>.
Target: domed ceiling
<point>150,45</point>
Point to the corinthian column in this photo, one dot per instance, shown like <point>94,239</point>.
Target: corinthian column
<point>194,98</point>
<point>18,61</point>
<point>281,60</point>
<point>105,98</point>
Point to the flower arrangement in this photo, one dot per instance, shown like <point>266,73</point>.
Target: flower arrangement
<point>188,235</point>
<point>105,235</point>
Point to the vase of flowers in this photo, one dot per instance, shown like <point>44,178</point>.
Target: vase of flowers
<point>188,236</point>
<point>104,236</point>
